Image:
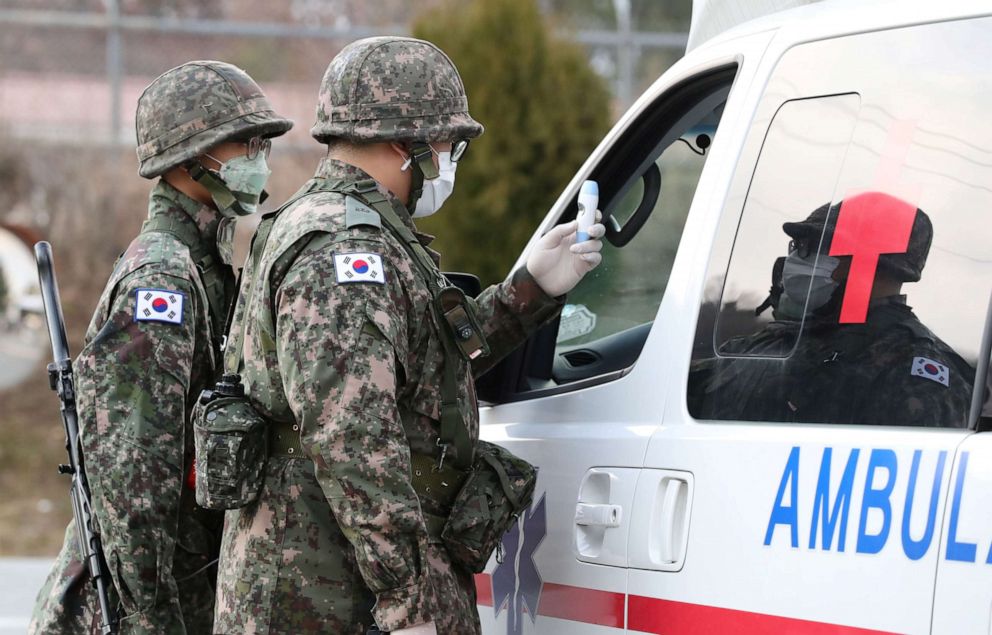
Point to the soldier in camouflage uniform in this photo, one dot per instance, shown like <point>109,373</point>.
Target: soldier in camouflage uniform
<point>344,358</point>
<point>152,345</point>
<point>888,370</point>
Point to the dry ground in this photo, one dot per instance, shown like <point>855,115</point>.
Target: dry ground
<point>34,502</point>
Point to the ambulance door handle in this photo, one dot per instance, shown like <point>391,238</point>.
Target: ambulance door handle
<point>602,515</point>
<point>598,515</point>
<point>659,520</point>
<point>668,513</point>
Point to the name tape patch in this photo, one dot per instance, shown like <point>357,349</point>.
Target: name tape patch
<point>159,305</point>
<point>932,370</point>
<point>359,267</point>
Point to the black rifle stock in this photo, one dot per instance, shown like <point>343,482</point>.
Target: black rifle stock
<point>61,380</point>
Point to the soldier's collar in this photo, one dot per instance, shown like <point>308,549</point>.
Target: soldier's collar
<point>424,238</point>
<point>889,299</point>
<point>168,201</point>
<point>334,169</point>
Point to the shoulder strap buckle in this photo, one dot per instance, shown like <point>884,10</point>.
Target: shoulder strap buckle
<point>364,186</point>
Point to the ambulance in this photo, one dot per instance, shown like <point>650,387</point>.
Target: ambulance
<point>656,514</point>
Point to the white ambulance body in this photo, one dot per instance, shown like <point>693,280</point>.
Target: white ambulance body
<point>648,519</point>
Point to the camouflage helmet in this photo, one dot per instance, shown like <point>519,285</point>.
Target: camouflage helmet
<point>191,108</point>
<point>905,267</point>
<point>393,89</point>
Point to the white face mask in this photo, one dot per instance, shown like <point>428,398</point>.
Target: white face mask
<point>437,190</point>
<point>800,275</point>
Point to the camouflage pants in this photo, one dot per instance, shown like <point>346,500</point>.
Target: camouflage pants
<point>286,568</point>
<point>67,603</point>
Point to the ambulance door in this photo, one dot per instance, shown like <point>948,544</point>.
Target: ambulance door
<point>963,600</point>
<point>574,401</point>
<point>815,446</point>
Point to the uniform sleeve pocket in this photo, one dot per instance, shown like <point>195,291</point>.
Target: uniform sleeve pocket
<point>387,323</point>
<point>381,322</point>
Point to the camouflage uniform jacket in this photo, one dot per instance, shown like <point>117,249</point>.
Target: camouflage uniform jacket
<point>838,373</point>
<point>137,382</point>
<point>354,369</point>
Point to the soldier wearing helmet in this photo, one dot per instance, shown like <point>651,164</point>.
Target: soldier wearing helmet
<point>808,366</point>
<point>341,349</point>
<point>152,345</point>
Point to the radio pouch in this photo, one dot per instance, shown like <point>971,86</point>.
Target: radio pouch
<point>499,487</point>
<point>460,318</point>
<point>231,441</point>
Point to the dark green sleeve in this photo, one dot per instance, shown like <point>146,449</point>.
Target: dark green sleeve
<point>133,377</point>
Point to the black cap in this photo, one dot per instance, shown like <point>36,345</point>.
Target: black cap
<point>906,266</point>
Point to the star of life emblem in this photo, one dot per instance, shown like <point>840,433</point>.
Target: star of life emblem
<point>517,583</point>
<point>932,370</point>
<point>159,305</point>
<point>359,267</point>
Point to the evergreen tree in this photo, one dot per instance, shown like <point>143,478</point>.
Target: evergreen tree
<point>544,110</point>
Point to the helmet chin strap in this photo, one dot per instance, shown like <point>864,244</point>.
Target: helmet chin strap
<point>423,169</point>
<point>228,203</point>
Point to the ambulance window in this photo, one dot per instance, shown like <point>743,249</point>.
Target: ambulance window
<point>607,317</point>
<point>812,157</point>
<point>849,280</point>
<point>646,183</point>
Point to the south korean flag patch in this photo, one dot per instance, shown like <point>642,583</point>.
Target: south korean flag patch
<point>932,370</point>
<point>363,267</point>
<point>159,305</point>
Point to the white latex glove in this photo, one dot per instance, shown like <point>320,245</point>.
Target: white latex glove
<point>557,262</point>
<point>419,629</point>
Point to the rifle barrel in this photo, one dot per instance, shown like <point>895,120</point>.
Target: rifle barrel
<point>53,304</point>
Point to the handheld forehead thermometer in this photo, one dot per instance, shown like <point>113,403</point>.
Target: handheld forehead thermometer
<point>588,202</point>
